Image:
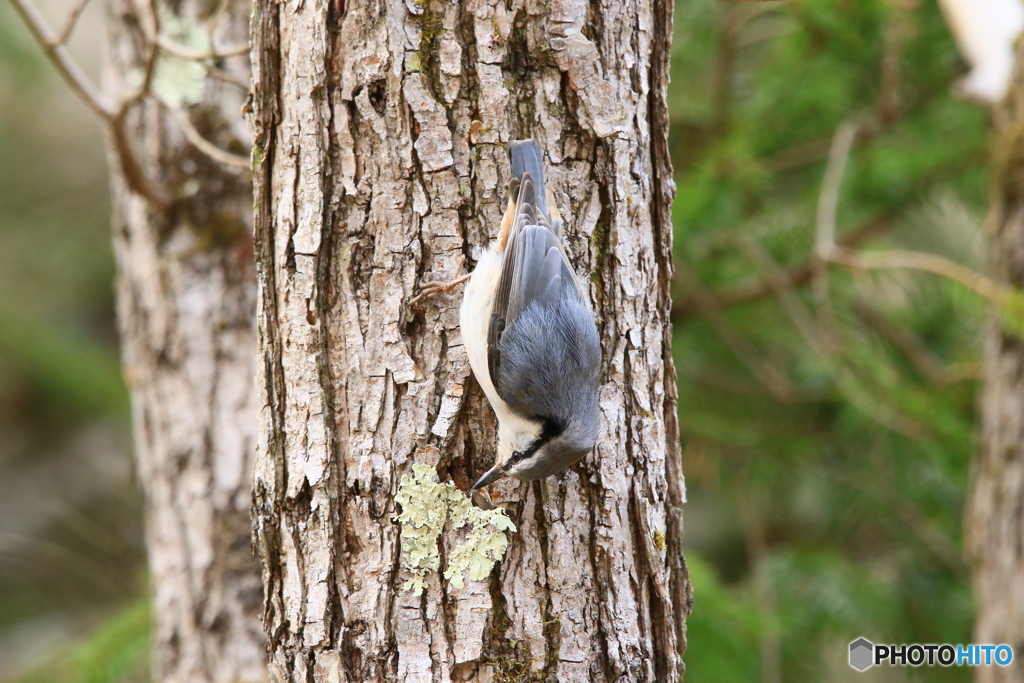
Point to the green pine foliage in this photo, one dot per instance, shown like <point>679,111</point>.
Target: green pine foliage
<point>827,429</point>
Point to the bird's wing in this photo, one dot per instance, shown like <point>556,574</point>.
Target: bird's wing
<point>535,269</point>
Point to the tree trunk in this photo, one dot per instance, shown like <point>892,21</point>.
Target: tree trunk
<point>380,162</point>
<point>186,300</point>
<point>995,510</point>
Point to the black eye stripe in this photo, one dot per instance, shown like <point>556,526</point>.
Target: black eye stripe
<point>551,429</point>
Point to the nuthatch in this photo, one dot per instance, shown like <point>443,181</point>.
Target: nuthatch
<point>530,335</point>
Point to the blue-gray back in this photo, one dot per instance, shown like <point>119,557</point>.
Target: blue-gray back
<point>550,359</point>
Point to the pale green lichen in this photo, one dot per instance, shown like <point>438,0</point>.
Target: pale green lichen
<point>426,507</point>
<point>178,81</point>
<point>424,513</point>
<point>485,544</point>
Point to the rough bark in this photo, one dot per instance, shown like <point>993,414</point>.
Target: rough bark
<point>380,162</point>
<point>186,296</point>
<point>995,510</point>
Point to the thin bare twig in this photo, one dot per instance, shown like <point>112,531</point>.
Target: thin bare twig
<point>169,46</point>
<point>114,115</point>
<point>930,263</point>
<point>150,23</point>
<point>156,39</point>
<point>69,70</point>
<point>828,199</point>
<point>232,161</point>
<point>110,113</point>
<point>825,226</point>
<point>69,23</point>
<point>828,252</point>
<point>218,14</point>
<point>135,178</point>
<point>226,76</point>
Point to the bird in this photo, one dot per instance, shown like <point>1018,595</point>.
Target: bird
<point>530,336</point>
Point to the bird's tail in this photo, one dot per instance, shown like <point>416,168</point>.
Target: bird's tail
<point>526,157</point>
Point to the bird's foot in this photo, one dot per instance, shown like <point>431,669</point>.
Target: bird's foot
<point>432,289</point>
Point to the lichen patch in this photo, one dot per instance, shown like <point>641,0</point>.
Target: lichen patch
<point>426,507</point>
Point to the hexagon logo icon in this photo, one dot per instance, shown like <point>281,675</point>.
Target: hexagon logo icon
<point>861,654</point>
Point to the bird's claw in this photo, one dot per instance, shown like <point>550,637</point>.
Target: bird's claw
<point>432,289</point>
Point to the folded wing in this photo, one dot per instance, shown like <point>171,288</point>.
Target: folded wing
<point>535,270</point>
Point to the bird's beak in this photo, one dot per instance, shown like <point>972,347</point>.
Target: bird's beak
<point>492,475</point>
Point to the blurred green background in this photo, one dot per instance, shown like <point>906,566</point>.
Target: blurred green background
<point>71,552</point>
<point>827,432</point>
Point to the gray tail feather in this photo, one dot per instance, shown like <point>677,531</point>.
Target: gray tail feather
<point>526,157</point>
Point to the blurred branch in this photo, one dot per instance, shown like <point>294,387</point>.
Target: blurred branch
<point>150,24</point>
<point>825,225</point>
<point>799,275</point>
<point>827,250</point>
<point>110,113</point>
<point>114,115</point>
<point>155,38</point>
<point>170,47</point>
<point>816,150</point>
<point>69,70</point>
<point>136,179</point>
<point>842,253</point>
<point>792,277</point>
<point>218,14</point>
<point>929,263</point>
<point>69,24</point>
<point>226,77</point>
<point>232,161</point>
<point>828,199</point>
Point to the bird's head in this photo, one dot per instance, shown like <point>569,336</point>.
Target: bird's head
<point>530,449</point>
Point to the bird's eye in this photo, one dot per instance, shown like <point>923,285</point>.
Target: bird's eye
<point>516,457</point>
